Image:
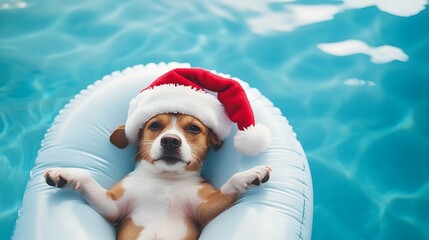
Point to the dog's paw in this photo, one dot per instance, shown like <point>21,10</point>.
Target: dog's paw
<point>259,181</point>
<point>65,177</point>
<point>241,181</point>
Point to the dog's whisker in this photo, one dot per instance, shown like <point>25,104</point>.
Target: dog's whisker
<point>198,148</point>
<point>142,142</point>
<point>197,160</point>
<point>142,151</point>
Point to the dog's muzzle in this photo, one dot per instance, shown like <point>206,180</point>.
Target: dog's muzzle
<point>171,144</point>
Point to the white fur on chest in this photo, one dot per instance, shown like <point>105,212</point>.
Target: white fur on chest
<point>157,200</point>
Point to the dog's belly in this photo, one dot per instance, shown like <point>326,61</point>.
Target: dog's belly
<point>163,209</point>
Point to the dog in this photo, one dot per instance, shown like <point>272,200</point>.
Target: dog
<point>164,197</point>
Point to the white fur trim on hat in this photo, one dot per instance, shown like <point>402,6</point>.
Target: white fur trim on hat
<point>171,98</point>
<point>252,140</point>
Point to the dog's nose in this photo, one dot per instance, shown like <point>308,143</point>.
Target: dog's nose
<point>170,141</point>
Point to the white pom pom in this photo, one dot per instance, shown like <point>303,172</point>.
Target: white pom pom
<point>252,140</point>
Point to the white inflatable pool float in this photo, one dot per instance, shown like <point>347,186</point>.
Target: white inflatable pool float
<point>79,137</point>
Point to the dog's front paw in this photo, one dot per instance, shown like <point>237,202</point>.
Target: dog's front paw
<point>65,177</point>
<point>241,181</point>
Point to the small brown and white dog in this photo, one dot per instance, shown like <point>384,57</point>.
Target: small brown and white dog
<point>165,196</point>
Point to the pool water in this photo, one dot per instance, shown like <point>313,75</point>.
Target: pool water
<point>351,76</point>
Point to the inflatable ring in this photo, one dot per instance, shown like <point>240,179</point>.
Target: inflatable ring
<point>79,137</point>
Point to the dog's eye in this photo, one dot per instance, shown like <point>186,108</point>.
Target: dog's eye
<point>194,129</point>
<point>155,126</point>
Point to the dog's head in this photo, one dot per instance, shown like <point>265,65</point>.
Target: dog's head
<point>171,142</point>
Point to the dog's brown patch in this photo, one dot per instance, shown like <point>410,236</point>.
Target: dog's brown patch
<point>205,190</point>
<point>214,203</point>
<point>116,191</point>
<point>128,230</point>
<point>198,141</point>
<point>192,230</point>
<point>213,140</point>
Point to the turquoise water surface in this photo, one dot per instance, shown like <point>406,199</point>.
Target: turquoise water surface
<point>351,76</point>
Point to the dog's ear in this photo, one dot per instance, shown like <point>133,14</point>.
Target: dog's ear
<point>118,137</point>
<point>213,140</point>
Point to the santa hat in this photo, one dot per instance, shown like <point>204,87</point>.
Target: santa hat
<point>216,101</point>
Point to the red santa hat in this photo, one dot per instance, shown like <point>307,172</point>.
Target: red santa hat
<point>216,101</point>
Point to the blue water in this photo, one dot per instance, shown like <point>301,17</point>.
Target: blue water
<point>351,76</point>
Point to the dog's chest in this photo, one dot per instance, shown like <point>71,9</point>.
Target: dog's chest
<point>148,199</point>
